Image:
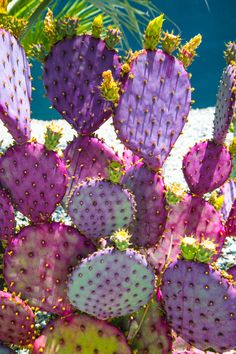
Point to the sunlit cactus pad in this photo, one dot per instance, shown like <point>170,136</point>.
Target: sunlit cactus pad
<point>51,250</point>
<point>206,167</point>
<point>7,217</point>
<point>111,283</point>
<point>81,334</point>
<point>16,320</point>
<point>228,190</point>
<point>99,207</point>
<point>200,305</point>
<point>154,106</point>
<point>72,73</point>
<point>87,157</point>
<point>225,104</point>
<point>15,83</point>
<point>149,192</point>
<point>36,178</point>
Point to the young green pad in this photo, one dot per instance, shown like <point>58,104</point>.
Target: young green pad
<point>111,283</point>
<point>81,334</point>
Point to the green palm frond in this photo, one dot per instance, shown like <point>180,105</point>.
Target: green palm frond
<point>129,15</point>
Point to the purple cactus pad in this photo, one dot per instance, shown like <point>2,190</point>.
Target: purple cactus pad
<point>225,104</point>
<point>148,189</point>
<point>154,107</point>
<point>191,217</point>
<point>206,167</point>
<point>7,217</point>
<point>16,320</point>
<point>72,73</point>
<point>129,158</point>
<point>228,190</point>
<point>52,250</point>
<point>99,207</point>
<point>87,157</point>
<point>200,305</point>
<point>232,271</point>
<point>36,177</point>
<point>15,83</point>
<point>230,225</point>
<point>111,283</point>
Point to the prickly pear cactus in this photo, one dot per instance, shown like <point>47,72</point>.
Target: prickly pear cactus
<point>111,283</point>
<point>15,82</point>
<point>72,73</point>
<point>92,336</point>
<point>52,249</point>
<point>36,177</point>
<point>99,207</point>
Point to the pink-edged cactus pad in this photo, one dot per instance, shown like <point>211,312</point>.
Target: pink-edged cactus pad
<point>36,178</point>
<point>52,250</point>
<point>206,167</point>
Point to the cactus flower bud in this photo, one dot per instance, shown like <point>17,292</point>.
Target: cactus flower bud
<point>52,136</point>
<point>121,239</point>
<point>113,37</point>
<point>153,33</point>
<point>109,87</point>
<point>206,249</point>
<point>170,42</point>
<point>115,171</point>
<point>187,52</point>
<point>188,247</point>
<point>97,26</point>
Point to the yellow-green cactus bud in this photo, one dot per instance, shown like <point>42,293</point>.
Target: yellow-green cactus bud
<point>125,69</point>
<point>66,27</point>
<point>216,200</point>
<point>97,26</point>
<point>113,37</point>
<point>153,33</point>
<point>109,87</point>
<point>187,52</point>
<point>232,147</point>
<point>52,135</point>
<point>230,53</point>
<point>175,193</point>
<point>206,249</point>
<point>170,42</point>
<point>16,26</point>
<point>121,239</point>
<point>50,27</point>
<point>116,171</point>
<point>3,6</point>
<point>188,247</point>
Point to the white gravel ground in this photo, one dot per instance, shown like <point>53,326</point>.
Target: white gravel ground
<point>198,127</point>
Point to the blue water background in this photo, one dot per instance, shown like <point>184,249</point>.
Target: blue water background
<point>217,24</point>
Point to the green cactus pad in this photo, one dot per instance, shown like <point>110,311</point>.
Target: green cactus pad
<point>152,334</point>
<point>111,283</point>
<point>81,334</point>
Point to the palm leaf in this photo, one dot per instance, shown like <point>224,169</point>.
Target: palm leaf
<point>129,15</point>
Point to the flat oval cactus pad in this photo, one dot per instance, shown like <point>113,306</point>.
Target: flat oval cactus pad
<point>111,283</point>
<point>81,334</point>
<point>50,250</point>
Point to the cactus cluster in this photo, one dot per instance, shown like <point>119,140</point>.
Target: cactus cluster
<point>136,267</point>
